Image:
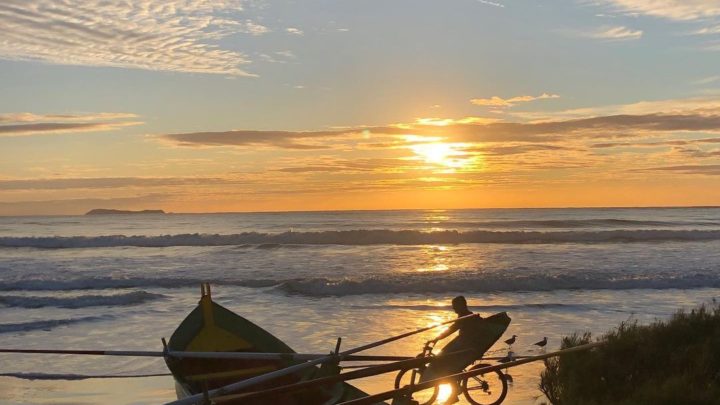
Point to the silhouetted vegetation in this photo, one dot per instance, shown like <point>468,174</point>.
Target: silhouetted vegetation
<point>667,362</point>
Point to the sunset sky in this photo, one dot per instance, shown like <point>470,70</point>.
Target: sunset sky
<point>243,105</point>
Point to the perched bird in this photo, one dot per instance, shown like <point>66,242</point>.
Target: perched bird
<point>510,341</point>
<point>541,343</point>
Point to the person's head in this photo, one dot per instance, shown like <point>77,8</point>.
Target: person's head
<point>459,305</point>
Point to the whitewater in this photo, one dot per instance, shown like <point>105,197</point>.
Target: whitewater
<point>125,281</point>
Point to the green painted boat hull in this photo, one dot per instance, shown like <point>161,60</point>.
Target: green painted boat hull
<point>211,327</point>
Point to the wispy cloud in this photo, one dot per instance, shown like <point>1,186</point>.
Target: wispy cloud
<point>294,31</point>
<point>19,124</point>
<point>546,131</point>
<point>708,30</point>
<point>670,9</point>
<point>491,3</point>
<point>278,139</point>
<point>707,105</point>
<point>673,142</point>
<point>31,117</point>
<point>707,80</point>
<point>346,165</point>
<point>496,101</point>
<point>618,33</point>
<point>713,170</point>
<point>106,182</point>
<point>169,35</point>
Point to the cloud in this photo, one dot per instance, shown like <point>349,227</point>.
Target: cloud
<point>31,124</point>
<point>30,117</point>
<point>707,80</point>
<point>670,9</point>
<point>347,166</point>
<point>496,101</point>
<point>618,33</point>
<point>279,139</point>
<point>692,106</point>
<point>505,150</point>
<point>697,153</point>
<point>712,170</point>
<point>491,3</point>
<point>254,28</point>
<point>708,30</point>
<point>166,35</point>
<point>594,127</point>
<point>294,31</point>
<point>106,182</point>
<point>546,131</point>
<point>674,142</point>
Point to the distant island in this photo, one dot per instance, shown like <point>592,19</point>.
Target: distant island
<point>102,211</point>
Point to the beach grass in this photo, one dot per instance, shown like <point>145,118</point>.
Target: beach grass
<point>676,361</point>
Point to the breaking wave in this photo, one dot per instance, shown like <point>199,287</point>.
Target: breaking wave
<point>46,324</point>
<point>83,301</point>
<point>104,283</point>
<point>484,308</point>
<point>573,223</point>
<point>363,237</point>
<point>506,281</point>
<point>492,283</point>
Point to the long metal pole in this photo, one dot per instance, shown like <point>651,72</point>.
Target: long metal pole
<point>352,375</point>
<point>198,398</point>
<point>202,355</point>
<point>130,353</point>
<point>409,389</point>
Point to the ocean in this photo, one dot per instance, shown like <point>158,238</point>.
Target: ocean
<point>121,282</point>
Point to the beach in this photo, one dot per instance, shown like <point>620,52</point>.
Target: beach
<point>123,282</point>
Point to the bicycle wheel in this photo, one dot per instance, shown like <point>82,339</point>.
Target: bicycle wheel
<point>485,389</point>
<point>424,397</point>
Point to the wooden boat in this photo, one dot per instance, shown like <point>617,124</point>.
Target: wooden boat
<point>213,328</point>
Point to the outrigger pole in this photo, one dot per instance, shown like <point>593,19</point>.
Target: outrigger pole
<point>352,375</point>
<point>407,390</point>
<point>203,355</point>
<point>128,353</point>
<point>228,389</point>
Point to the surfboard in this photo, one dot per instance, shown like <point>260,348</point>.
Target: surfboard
<point>477,338</point>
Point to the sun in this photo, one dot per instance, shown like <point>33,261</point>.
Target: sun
<point>442,154</point>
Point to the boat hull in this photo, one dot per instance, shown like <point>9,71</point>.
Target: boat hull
<point>213,328</point>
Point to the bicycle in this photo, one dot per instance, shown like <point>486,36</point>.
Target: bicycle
<point>484,389</point>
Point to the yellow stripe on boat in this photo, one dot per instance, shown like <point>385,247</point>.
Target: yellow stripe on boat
<point>212,338</point>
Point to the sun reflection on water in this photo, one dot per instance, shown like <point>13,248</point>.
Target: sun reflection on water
<point>437,257</point>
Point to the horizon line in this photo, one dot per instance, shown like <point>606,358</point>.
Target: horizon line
<point>376,210</point>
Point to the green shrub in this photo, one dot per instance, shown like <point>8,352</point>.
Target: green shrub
<point>667,362</point>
